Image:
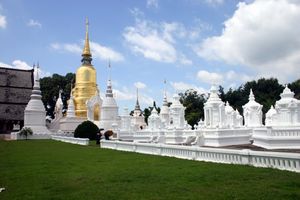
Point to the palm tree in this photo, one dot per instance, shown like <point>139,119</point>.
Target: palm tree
<point>25,131</point>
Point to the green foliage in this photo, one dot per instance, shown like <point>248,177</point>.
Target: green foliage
<point>47,169</point>
<point>50,87</point>
<point>86,129</point>
<point>26,131</point>
<point>147,113</point>
<point>194,103</point>
<point>266,91</point>
<point>295,87</point>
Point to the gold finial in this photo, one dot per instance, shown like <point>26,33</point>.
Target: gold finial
<point>86,49</point>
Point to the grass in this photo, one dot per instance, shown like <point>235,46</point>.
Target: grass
<point>45,169</point>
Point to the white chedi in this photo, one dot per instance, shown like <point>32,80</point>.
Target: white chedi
<point>288,109</point>
<point>154,121</point>
<point>252,112</point>
<point>125,120</point>
<point>35,113</point>
<point>69,123</point>
<point>230,115</point>
<point>165,112</point>
<point>177,119</point>
<point>137,119</point>
<point>93,106</point>
<point>110,119</point>
<point>214,111</point>
<point>271,116</point>
<point>71,107</point>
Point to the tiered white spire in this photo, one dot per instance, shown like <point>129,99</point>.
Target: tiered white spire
<point>35,113</point>
<point>109,119</point>
<point>71,107</point>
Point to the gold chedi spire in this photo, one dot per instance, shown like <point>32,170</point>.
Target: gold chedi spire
<point>86,50</point>
<point>86,79</point>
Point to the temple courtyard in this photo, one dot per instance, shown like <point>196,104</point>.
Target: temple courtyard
<point>47,169</point>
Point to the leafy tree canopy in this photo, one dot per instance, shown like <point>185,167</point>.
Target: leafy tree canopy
<point>50,87</point>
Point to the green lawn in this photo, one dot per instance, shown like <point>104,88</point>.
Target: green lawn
<point>45,169</point>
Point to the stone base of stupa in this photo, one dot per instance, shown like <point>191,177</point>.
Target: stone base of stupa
<point>226,137</point>
<point>69,124</point>
<point>277,137</point>
<point>39,132</point>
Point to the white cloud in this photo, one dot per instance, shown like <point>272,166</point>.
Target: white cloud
<point>98,51</point>
<point>182,87</point>
<point>184,60</point>
<point>3,21</point>
<point>149,44</point>
<point>105,53</point>
<point>152,3</point>
<point>156,41</point>
<point>123,94</point>
<point>228,78</point>
<point>73,48</point>
<point>18,64</point>
<point>140,85</point>
<point>34,23</point>
<point>126,94</point>
<point>214,2</point>
<point>262,35</point>
<point>209,77</point>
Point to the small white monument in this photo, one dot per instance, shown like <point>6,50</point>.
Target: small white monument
<point>252,112</point>
<point>165,112</point>
<point>282,130</point>
<point>35,113</point>
<point>222,124</point>
<point>69,123</point>
<point>214,111</point>
<point>94,105</point>
<point>138,120</point>
<point>177,120</point>
<point>109,110</point>
<point>154,122</point>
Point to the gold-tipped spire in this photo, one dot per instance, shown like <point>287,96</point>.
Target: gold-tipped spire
<point>86,49</point>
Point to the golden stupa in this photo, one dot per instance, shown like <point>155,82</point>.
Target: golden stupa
<point>86,82</point>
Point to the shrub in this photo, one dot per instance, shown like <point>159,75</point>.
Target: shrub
<point>26,131</point>
<point>86,129</point>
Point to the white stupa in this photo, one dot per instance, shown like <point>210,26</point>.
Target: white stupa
<point>35,113</point>
<point>271,116</point>
<point>71,107</point>
<point>138,120</point>
<point>177,119</point>
<point>165,112</point>
<point>282,130</point>
<point>154,122</point>
<point>288,109</point>
<point>109,110</point>
<point>69,123</point>
<point>230,115</point>
<point>214,111</point>
<point>252,112</point>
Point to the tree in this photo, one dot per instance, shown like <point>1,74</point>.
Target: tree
<point>50,87</point>
<point>194,103</point>
<point>295,87</point>
<point>266,92</point>
<point>86,129</point>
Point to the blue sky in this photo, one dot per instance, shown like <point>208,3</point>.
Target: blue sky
<point>190,43</point>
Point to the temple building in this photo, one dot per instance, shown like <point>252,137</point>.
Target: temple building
<point>86,81</point>
<point>15,90</point>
